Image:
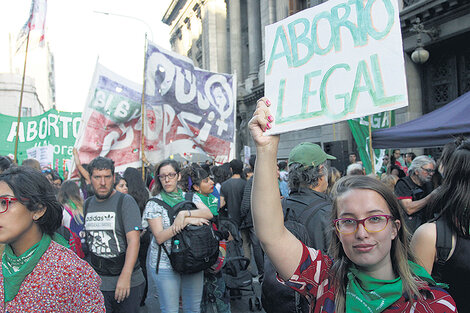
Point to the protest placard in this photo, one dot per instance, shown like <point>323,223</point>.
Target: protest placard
<point>44,155</point>
<point>335,61</point>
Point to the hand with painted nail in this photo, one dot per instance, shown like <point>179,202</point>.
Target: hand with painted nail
<point>260,123</point>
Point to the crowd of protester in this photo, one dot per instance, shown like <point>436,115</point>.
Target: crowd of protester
<point>395,239</point>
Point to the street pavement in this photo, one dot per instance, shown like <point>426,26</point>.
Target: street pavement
<point>236,306</point>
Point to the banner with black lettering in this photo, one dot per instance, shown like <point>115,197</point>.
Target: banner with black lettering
<point>196,107</point>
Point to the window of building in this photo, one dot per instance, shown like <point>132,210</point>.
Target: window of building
<point>25,112</point>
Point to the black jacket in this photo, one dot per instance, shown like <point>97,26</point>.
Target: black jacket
<point>312,209</point>
<point>245,209</point>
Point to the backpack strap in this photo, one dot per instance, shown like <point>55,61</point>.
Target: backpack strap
<point>171,213</point>
<point>188,196</point>
<point>85,206</point>
<point>443,246</point>
<point>288,206</point>
<point>315,211</point>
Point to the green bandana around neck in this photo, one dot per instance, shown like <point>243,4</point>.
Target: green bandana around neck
<point>172,198</point>
<point>375,294</point>
<point>16,268</point>
<point>211,202</point>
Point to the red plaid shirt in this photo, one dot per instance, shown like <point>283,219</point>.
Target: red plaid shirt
<point>312,281</point>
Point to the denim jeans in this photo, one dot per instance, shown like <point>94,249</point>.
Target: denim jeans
<point>169,284</point>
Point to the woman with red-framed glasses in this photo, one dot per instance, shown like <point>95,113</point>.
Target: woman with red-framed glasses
<point>39,275</point>
<point>369,267</point>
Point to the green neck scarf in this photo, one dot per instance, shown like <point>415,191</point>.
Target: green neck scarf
<point>16,268</point>
<point>211,202</point>
<point>367,294</point>
<point>172,198</point>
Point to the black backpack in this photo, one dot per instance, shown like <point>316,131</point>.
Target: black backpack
<point>301,211</point>
<point>198,245</point>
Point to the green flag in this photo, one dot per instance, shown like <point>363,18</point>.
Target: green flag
<point>360,130</point>
<point>55,128</point>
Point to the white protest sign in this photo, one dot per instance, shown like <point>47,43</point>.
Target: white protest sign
<point>44,155</point>
<point>247,154</point>
<point>335,61</point>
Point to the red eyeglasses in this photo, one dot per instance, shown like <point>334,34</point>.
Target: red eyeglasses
<point>5,203</point>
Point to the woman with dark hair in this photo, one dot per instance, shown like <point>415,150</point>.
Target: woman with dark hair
<point>39,275</point>
<point>120,184</point>
<point>69,197</point>
<point>136,187</point>
<point>451,203</point>
<point>369,267</point>
<point>138,190</point>
<point>195,179</point>
<point>169,283</point>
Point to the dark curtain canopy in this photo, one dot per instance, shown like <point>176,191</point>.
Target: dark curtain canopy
<point>433,129</point>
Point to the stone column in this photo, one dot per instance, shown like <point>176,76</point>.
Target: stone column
<point>235,39</point>
<point>254,36</point>
<point>214,34</point>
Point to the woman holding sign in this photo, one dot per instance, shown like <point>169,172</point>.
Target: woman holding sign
<point>372,269</point>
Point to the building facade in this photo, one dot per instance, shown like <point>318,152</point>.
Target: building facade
<point>227,36</point>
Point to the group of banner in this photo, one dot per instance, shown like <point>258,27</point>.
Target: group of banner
<point>188,111</point>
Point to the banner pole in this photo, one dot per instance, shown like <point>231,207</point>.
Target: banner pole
<point>372,159</point>
<point>21,98</point>
<point>142,117</point>
<point>389,125</point>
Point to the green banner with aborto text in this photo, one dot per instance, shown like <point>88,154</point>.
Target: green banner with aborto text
<point>55,128</point>
<point>360,131</point>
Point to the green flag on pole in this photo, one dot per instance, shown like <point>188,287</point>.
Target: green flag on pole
<point>53,128</point>
<point>360,131</point>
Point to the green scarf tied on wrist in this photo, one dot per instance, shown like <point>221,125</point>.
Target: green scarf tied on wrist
<point>211,202</point>
<point>367,294</point>
<point>172,198</point>
<point>16,268</point>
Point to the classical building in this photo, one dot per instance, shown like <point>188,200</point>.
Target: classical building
<point>39,89</point>
<point>227,36</point>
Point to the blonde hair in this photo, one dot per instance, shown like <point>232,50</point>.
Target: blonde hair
<point>389,180</point>
<point>333,176</point>
<point>400,252</point>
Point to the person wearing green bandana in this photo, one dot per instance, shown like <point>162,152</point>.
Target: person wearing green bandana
<point>195,179</point>
<point>169,284</point>
<point>369,266</point>
<point>38,274</point>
